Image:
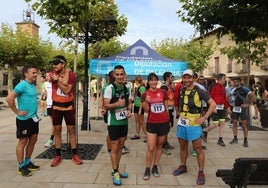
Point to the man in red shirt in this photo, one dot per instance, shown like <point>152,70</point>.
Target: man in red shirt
<point>63,81</point>
<point>218,94</point>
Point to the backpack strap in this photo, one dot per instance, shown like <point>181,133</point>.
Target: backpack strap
<point>117,94</point>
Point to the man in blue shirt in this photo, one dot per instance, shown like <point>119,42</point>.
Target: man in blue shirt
<point>27,121</point>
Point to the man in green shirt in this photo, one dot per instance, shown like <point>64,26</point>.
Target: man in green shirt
<point>117,102</point>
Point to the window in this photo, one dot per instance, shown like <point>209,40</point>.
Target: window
<point>217,62</point>
<point>5,79</point>
<point>230,65</point>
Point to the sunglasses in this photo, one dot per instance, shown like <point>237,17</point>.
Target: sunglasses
<point>57,61</point>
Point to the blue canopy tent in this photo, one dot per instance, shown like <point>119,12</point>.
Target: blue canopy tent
<point>138,59</point>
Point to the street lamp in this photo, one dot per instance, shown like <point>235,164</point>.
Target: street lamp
<point>110,20</point>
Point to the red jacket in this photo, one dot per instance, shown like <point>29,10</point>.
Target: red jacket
<point>177,89</point>
<point>218,94</point>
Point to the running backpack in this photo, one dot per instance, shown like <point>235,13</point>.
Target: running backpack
<point>116,97</point>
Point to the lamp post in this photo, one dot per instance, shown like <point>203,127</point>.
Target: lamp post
<point>85,119</point>
<point>110,20</point>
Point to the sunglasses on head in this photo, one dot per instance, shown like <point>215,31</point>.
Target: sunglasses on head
<point>57,61</point>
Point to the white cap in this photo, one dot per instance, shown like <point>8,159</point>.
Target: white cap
<point>189,72</point>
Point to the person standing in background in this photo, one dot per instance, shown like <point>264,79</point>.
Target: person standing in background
<point>94,89</point>
<point>138,109</point>
<point>228,88</point>
<point>259,93</point>
<point>63,107</point>
<point>27,121</point>
<point>103,110</point>
<point>168,87</point>
<point>48,92</point>
<point>43,104</point>
<point>243,97</point>
<point>218,94</point>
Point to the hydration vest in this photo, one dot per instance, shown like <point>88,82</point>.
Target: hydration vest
<point>240,96</point>
<point>117,94</point>
<point>190,106</point>
<point>116,97</point>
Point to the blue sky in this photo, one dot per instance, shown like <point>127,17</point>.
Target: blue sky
<point>147,20</point>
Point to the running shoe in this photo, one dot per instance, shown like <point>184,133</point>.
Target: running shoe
<point>135,137</point>
<point>155,172</point>
<point>122,174</point>
<point>116,179</point>
<point>76,159</point>
<point>49,143</point>
<point>234,141</point>
<point>146,174</point>
<point>221,143</point>
<point>125,150</point>
<point>200,179</point>
<point>245,143</point>
<point>180,170</point>
<point>194,153</point>
<point>32,167</point>
<point>24,171</point>
<point>56,161</point>
<point>168,146</point>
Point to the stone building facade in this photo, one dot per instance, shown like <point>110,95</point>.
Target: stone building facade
<point>221,63</point>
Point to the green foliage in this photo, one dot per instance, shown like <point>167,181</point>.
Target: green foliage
<point>253,52</point>
<point>170,48</point>
<point>19,48</point>
<point>67,18</point>
<point>247,20</point>
<point>198,54</point>
<point>106,48</point>
<point>195,53</point>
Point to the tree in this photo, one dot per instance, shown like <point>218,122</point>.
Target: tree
<point>247,20</point>
<point>249,53</point>
<point>106,48</point>
<point>68,18</point>
<point>170,48</point>
<point>19,49</point>
<point>195,52</point>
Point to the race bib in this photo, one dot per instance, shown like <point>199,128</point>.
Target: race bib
<point>36,119</point>
<point>157,108</point>
<point>60,93</point>
<point>183,122</point>
<point>237,109</point>
<point>219,106</point>
<point>121,114</point>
